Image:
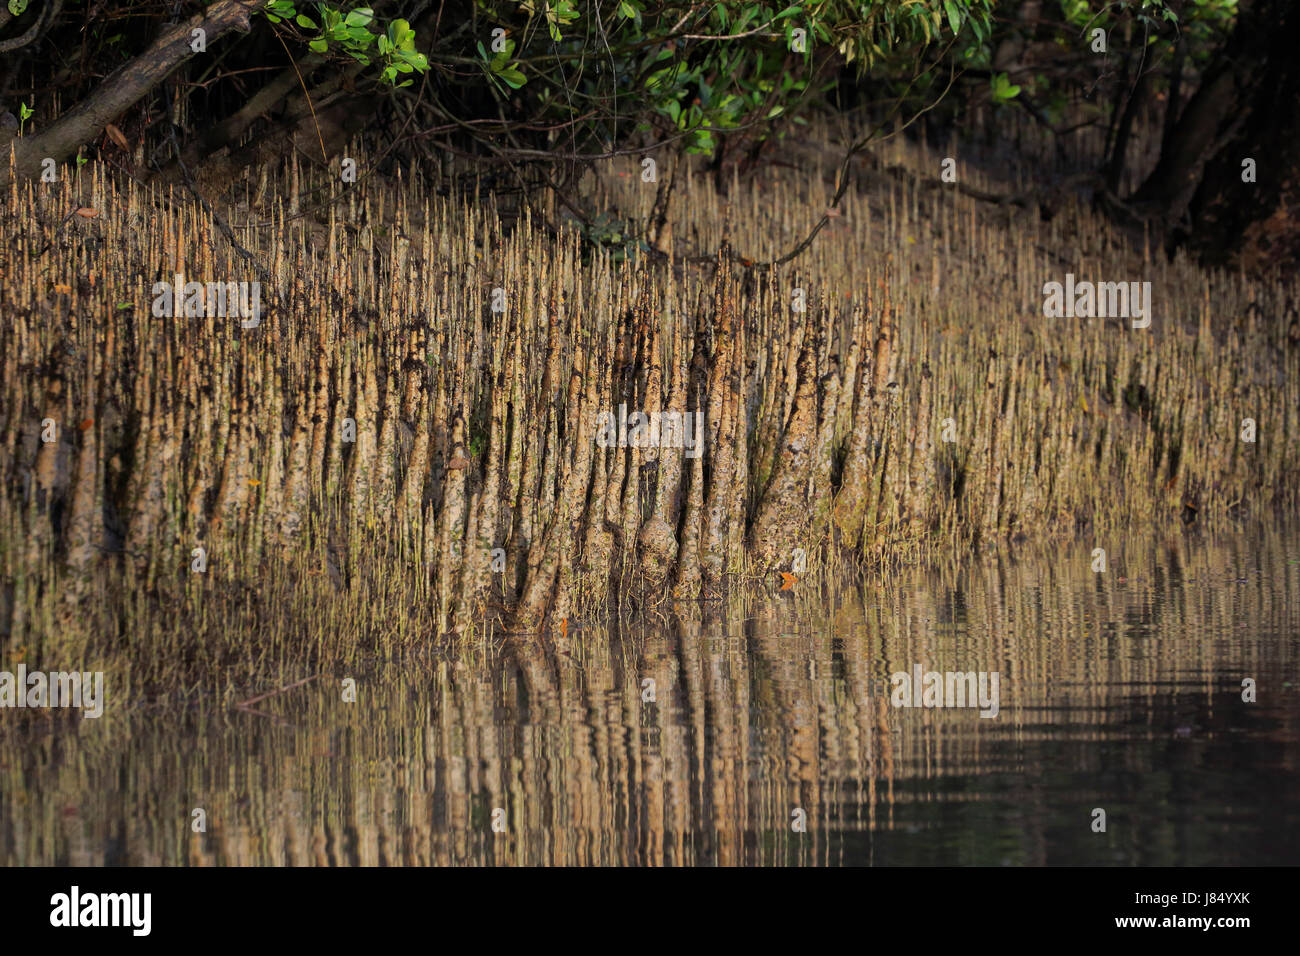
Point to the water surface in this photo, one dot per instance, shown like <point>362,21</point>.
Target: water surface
<point>1120,691</point>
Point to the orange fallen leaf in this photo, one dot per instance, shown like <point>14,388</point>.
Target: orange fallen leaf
<point>65,289</point>
<point>86,212</point>
<point>116,136</point>
<point>787,581</point>
<point>85,424</point>
<point>253,482</point>
<point>564,627</point>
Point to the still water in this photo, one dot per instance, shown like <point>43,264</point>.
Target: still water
<point>1119,691</point>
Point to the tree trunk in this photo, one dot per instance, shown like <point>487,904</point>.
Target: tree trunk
<point>1169,188</point>
<point>1119,148</point>
<point>1246,107</point>
<point>1250,224</point>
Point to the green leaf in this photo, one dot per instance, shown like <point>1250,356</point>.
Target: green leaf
<point>320,46</point>
<point>402,36</point>
<point>359,17</point>
<point>305,21</point>
<point>954,15</point>
<point>513,77</point>
<point>1003,89</point>
<point>16,7</point>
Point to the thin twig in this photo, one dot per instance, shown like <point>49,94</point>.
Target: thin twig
<point>246,704</point>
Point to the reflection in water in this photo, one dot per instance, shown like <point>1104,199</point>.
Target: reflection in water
<point>1119,690</point>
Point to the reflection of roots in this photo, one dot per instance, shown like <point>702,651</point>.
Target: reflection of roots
<point>749,718</point>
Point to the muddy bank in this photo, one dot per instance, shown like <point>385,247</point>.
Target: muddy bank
<point>431,426</point>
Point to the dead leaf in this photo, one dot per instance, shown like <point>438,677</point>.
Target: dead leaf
<point>85,212</point>
<point>116,136</point>
<point>86,424</point>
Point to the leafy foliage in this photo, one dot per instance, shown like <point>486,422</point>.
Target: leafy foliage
<point>686,71</point>
<point>573,78</point>
<point>589,74</point>
<point>348,32</point>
